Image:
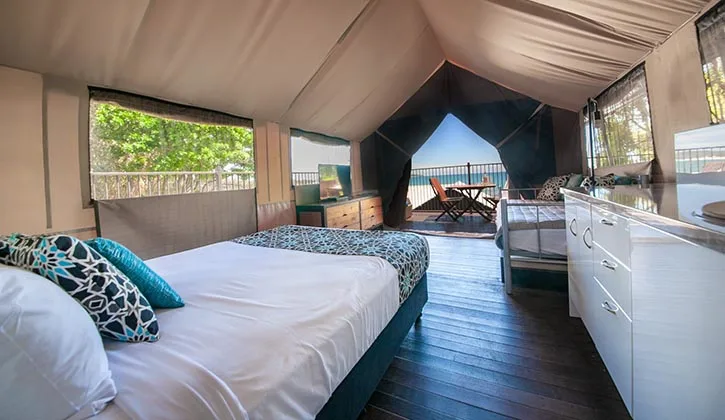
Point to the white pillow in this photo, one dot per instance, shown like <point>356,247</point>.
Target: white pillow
<point>52,362</point>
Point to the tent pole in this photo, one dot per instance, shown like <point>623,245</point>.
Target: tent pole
<point>591,103</point>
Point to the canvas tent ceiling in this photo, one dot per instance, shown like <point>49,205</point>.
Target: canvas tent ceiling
<point>330,66</point>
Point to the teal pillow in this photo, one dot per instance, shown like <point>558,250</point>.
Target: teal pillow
<point>152,286</point>
<point>623,180</point>
<point>575,181</point>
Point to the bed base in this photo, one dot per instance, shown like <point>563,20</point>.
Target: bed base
<point>353,393</point>
<point>510,260</point>
<point>533,273</point>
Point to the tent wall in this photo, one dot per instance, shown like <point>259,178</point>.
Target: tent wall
<point>676,89</point>
<point>45,158</point>
<point>273,171</point>
<point>44,120</point>
<point>676,94</point>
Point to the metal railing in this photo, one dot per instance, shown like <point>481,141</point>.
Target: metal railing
<point>701,159</point>
<point>116,185</point>
<point>421,194</point>
<point>305,178</point>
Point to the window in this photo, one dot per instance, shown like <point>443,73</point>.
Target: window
<point>311,149</point>
<point>711,33</point>
<point>144,147</point>
<point>624,134</point>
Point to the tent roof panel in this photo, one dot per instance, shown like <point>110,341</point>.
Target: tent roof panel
<point>335,67</point>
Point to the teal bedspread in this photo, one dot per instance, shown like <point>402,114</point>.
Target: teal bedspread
<point>408,253</point>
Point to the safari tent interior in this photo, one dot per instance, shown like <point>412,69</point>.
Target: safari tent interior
<point>251,291</point>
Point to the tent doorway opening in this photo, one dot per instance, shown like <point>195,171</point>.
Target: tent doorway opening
<point>456,156</point>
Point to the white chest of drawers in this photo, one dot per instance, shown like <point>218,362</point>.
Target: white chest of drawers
<point>654,305</point>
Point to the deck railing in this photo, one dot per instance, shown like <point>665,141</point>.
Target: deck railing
<point>305,178</point>
<point>701,159</point>
<point>421,194</point>
<point>116,185</point>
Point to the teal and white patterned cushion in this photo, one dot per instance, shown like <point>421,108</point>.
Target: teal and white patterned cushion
<point>407,252</point>
<point>117,307</point>
<point>551,189</point>
<point>151,285</point>
<point>598,181</point>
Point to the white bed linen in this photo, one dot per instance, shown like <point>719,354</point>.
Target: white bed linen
<point>553,241</point>
<point>265,334</point>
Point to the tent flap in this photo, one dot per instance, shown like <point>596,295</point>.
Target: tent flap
<point>491,111</point>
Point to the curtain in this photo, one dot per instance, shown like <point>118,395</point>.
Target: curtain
<point>624,134</point>
<point>168,110</point>
<point>517,125</point>
<point>711,33</point>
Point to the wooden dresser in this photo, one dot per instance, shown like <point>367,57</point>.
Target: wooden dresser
<point>355,213</point>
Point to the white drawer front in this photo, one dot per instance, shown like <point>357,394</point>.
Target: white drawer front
<point>612,334</point>
<point>614,277</point>
<point>611,232</point>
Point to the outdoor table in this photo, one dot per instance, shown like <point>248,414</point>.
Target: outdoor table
<point>484,209</point>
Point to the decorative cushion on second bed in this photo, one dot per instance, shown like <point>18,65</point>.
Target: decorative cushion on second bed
<point>52,361</point>
<point>118,308</point>
<point>153,287</point>
<point>550,190</point>
<point>575,180</point>
<point>598,181</point>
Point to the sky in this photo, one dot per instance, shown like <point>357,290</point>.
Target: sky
<point>453,143</point>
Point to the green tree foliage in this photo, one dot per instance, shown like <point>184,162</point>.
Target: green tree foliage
<point>130,141</point>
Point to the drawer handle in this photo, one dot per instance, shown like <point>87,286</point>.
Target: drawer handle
<point>571,227</point>
<point>610,265</point>
<point>606,222</point>
<point>584,236</point>
<point>610,307</point>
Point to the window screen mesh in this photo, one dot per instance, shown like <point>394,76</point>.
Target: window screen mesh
<point>711,33</point>
<point>624,133</point>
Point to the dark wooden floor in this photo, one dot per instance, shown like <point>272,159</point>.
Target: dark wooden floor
<point>468,226</point>
<point>478,353</point>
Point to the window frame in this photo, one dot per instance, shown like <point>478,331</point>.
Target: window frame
<point>199,115</point>
<point>719,7</point>
<point>592,157</point>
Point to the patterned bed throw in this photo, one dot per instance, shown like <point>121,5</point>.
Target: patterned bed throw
<point>407,252</point>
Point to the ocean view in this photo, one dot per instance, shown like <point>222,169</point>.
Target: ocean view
<point>498,178</point>
<point>421,192</point>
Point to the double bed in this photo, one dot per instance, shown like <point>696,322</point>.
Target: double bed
<point>288,323</point>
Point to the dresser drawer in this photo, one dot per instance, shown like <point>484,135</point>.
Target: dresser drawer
<point>371,218</point>
<point>371,204</point>
<point>614,277</point>
<point>611,232</point>
<point>611,331</point>
<point>341,210</point>
<point>345,221</point>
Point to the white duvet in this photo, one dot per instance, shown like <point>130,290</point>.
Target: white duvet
<point>265,334</point>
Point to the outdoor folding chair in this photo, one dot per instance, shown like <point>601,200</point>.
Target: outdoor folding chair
<point>449,204</point>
